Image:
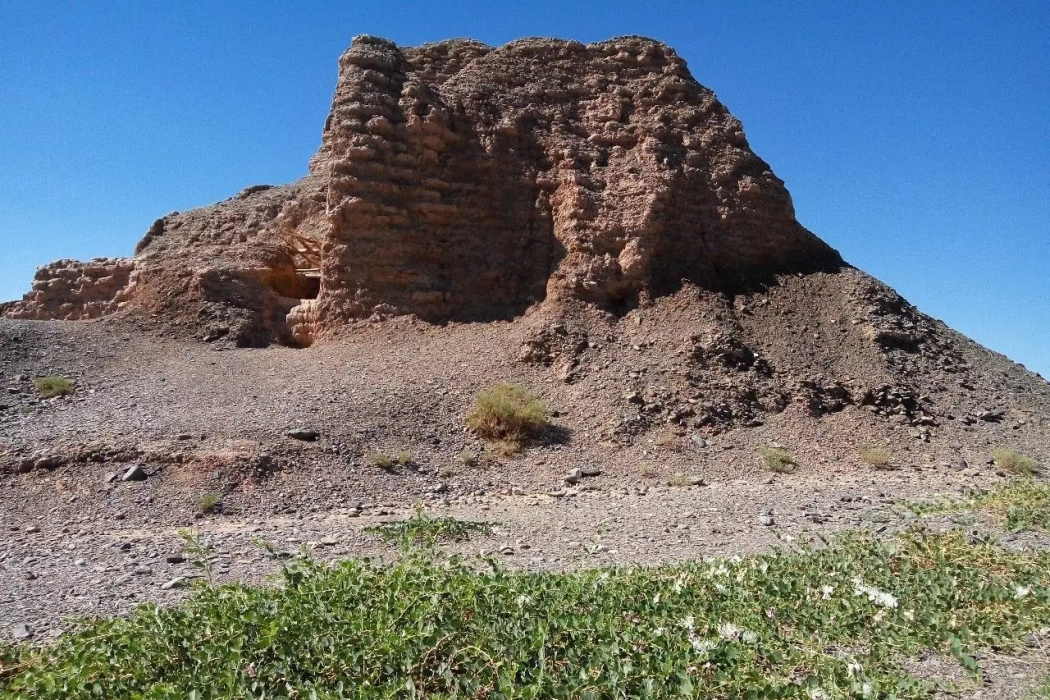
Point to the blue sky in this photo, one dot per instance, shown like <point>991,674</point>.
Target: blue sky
<point>914,137</point>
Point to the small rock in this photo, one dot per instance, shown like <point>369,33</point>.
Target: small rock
<point>329,541</point>
<point>506,549</point>
<point>22,632</point>
<point>766,518</point>
<point>698,441</point>
<point>122,579</point>
<point>110,477</point>
<point>134,473</point>
<point>29,576</point>
<point>142,571</point>
<point>176,582</point>
<point>574,476</point>
<point>590,471</point>
<point>303,434</point>
<point>79,562</point>
<point>31,529</point>
<point>175,559</point>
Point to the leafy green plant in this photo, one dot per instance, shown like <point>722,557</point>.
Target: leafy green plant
<point>52,386</point>
<point>830,622</point>
<point>508,416</point>
<point>423,528</point>
<point>199,552</point>
<point>778,460</point>
<point>1013,463</point>
<point>876,457</point>
<point>1020,504</point>
<point>208,503</point>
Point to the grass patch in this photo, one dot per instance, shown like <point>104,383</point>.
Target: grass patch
<point>508,416</point>
<point>208,503</point>
<point>1013,463</point>
<point>876,457</point>
<point>403,459</point>
<point>778,460</point>
<point>49,387</point>
<point>833,622</point>
<point>1020,504</point>
<point>382,461</point>
<point>425,529</point>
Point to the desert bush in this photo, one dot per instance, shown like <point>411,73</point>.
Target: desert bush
<point>53,386</point>
<point>876,457</point>
<point>403,458</point>
<point>508,415</point>
<point>383,461</point>
<point>778,460</point>
<point>208,503</point>
<point>1013,463</point>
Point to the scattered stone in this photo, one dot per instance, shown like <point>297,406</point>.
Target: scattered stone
<point>110,477</point>
<point>134,473</point>
<point>175,559</point>
<point>766,518</point>
<point>32,529</point>
<point>329,541</point>
<point>176,582</point>
<point>700,442</point>
<point>21,632</point>
<point>305,434</point>
<point>506,549</point>
<point>574,476</point>
<point>122,579</point>
<point>590,471</point>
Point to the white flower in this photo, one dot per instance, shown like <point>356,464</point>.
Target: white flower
<point>748,637</point>
<point>852,669</point>
<point>721,587</point>
<point>817,694</point>
<point>866,689</point>
<point>702,646</point>
<point>909,614</point>
<point>827,591</point>
<point>735,559</point>
<point>1021,591</point>
<point>727,630</point>
<point>600,581</point>
<point>656,599</point>
<point>523,599</point>
<point>689,623</point>
<point>881,598</point>
<point>658,631</point>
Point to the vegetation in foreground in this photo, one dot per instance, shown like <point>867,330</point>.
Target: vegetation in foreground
<point>834,622</point>
<point>425,529</point>
<point>1020,504</point>
<point>49,387</point>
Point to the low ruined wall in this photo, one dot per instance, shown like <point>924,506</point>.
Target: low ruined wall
<point>72,290</point>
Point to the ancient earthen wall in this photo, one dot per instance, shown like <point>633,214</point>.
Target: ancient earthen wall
<point>73,290</point>
<point>467,182</point>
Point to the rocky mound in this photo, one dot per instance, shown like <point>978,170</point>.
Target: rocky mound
<point>460,182</point>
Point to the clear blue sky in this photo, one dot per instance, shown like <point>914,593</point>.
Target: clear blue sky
<point>914,137</point>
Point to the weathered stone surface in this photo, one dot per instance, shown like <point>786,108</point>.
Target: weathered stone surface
<point>460,182</point>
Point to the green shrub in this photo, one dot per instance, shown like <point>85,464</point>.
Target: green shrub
<point>778,460</point>
<point>208,503</point>
<point>1013,463</point>
<point>403,459</point>
<point>508,415</point>
<point>53,386</point>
